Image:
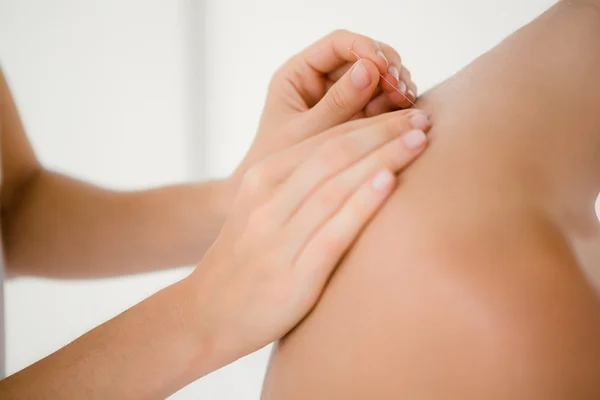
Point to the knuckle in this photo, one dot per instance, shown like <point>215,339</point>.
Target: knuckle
<point>241,245</point>
<point>330,247</point>
<point>394,126</point>
<point>392,156</point>
<point>276,77</point>
<point>398,56</point>
<point>383,159</point>
<point>337,100</point>
<point>258,222</point>
<point>389,50</point>
<point>339,32</point>
<point>359,208</point>
<point>329,197</point>
<point>403,120</point>
<point>288,73</point>
<point>334,153</point>
<point>256,178</point>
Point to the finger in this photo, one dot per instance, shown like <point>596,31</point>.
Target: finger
<point>339,72</point>
<point>413,86</point>
<point>329,197</point>
<point>406,78</point>
<point>395,91</point>
<point>390,83</point>
<point>379,105</point>
<point>318,259</point>
<point>337,155</point>
<point>279,166</point>
<point>330,83</point>
<point>394,59</point>
<point>344,99</point>
<point>392,56</point>
<point>401,83</point>
<point>341,47</point>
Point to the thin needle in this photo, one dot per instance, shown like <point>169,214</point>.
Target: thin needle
<point>388,82</point>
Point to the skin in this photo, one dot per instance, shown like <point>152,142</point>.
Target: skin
<point>281,222</point>
<point>136,232</point>
<point>483,281</point>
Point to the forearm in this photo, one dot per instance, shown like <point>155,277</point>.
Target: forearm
<point>61,227</point>
<point>148,352</point>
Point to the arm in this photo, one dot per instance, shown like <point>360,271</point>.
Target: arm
<point>468,284</point>
<point>148,352</point>
<point>56,226</point>
<point>263,274</point>
<point>59,227</point>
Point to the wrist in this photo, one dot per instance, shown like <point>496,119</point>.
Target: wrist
<point>220,199</point>
<point>210,349</point>
<point>229,189</point>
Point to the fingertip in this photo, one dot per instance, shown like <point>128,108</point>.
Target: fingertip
<point>389,83</point>
<point>359,76</point>
<point>420,120</point>
<point>346,97</point>
<point>371,69</point>
<point>383,181</point>
<point>364,75</point>
<point>415,139</point>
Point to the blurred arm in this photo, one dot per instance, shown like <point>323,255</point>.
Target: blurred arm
<point>55,226</point>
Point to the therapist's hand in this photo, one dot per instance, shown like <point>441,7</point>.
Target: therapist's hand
<point>296,214</point>
<point>325,85</point>
<point>330,80</point>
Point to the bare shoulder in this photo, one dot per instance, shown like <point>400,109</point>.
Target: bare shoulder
<point>448,305</point>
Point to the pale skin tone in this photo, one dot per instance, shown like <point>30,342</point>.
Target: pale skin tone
<point>281,223</point>
<point>481,282</point>
<point>38,202</point>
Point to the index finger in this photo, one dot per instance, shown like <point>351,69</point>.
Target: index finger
<point>342,47</point>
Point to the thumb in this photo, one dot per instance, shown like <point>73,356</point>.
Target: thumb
<point>349,95</point>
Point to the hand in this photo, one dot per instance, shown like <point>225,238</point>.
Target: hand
<point>324,86</point>
<point>296,214</point>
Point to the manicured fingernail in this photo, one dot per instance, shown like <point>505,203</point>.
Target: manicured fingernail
<point>402,86</point>
<point>414,139</point>
<point>411,94</point>
<point>383,181</point>
<point>419,121</point>
<point>380,54</point>
<point>360,77</point>
<point>393,71</point>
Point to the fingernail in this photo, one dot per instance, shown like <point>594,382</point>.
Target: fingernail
<point>414,139</point>
<point>383,181</point>
<point>402,86</point>
<point>419,121</point>
<point>380,54</point>
<point>360,77</point>
<point>411,94</point>
<point>393,71</point>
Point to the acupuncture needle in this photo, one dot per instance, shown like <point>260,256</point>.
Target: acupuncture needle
<point>383,77</point>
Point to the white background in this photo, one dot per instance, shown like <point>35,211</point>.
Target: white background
<point>131,94</point>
